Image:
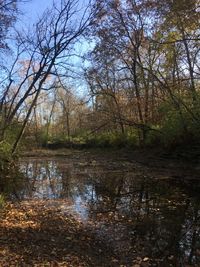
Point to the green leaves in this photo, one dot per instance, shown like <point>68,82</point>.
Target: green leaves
<point>5,151</point>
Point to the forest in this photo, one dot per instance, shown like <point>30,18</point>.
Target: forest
<point>125,74</point>
<point>109,89</point>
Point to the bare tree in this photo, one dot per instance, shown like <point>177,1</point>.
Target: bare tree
<point>44,52</point>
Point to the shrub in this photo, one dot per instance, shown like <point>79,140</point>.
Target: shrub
<point>2,201</point>
<point>113,139</point>
<point>5,151</point>
<point>178,127</point>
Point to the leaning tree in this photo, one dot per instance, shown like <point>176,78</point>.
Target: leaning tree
<point>41,55</point>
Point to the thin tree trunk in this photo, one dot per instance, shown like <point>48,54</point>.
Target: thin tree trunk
<point>19,137</point>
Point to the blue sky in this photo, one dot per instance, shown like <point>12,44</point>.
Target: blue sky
<point>32,9</point>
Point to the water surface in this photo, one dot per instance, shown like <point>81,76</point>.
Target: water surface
<point>138,214</point>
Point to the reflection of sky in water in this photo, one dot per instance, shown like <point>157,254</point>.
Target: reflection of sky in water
<point>80,207</point>
<point>46,181</point>
<point>86,191</point>
<point>81,200</point>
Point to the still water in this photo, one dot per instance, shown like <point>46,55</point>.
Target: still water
<point>137,213</point>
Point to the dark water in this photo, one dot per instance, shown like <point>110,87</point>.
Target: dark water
<point>136,213</point>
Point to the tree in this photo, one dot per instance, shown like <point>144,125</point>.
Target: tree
<point>121,41</point>
<point>154,50</point>
<point>8,12</point>
<point>46,51</point>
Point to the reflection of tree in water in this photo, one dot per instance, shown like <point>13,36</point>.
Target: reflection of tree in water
<point>11,181</point>
<point>190,242</point>
<point>158,214</point>
<point>31,171</point>
<point>45,180</point>
<point>156,218</point>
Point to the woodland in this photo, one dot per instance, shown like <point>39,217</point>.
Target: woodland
<point>111,78</point>
<point>125,74</point>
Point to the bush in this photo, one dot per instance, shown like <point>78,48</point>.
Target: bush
<point>2,201</point>
<point>102,140</point>
<point>178,127</point>
<point>5,151</point>
<point>113,139</point>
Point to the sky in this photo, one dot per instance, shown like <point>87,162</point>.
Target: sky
<point>33,9</point>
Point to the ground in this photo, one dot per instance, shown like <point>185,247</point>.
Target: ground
<point>38,234</point>
<point>34,234</point>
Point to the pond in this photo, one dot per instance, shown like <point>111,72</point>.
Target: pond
<point>136,213</point>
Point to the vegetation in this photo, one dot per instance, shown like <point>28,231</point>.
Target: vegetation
<point>135,82</point>
<point>100,74</point>
<point>140,76</point>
